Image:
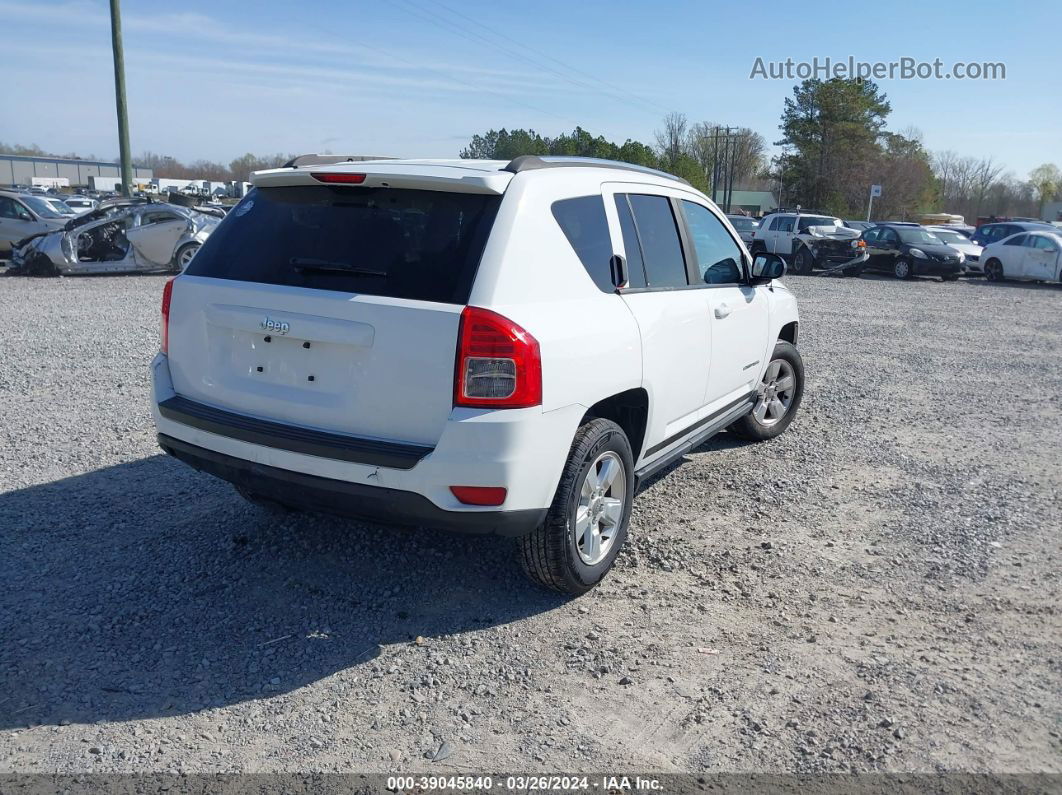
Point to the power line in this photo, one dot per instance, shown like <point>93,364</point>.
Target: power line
<point>476,38</point>
<point>547,56</point>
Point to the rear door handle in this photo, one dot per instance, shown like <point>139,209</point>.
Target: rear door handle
<point>722,311</point>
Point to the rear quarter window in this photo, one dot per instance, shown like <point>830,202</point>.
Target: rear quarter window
<point>416,244</point>
<point>583,222</point>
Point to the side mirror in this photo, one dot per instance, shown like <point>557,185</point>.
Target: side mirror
<point>767,267</point>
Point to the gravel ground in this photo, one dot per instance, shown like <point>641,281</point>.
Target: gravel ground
<point>875,590</point>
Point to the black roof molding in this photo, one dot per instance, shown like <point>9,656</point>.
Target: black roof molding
<point>329,160</point>
<point>532,162</point>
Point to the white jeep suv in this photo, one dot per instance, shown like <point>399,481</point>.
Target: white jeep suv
<point>472,345</point>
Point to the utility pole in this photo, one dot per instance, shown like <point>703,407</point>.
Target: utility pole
<point>119,97</point>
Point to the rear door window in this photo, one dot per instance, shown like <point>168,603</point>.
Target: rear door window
<point>665,266</point>
<point>635,263</point>
<point>583,222</point>
<point>417,244</point>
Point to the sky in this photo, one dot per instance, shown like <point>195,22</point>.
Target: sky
<point>417,78</point>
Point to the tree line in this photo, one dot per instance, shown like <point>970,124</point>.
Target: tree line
<point>169,167</point>
<point>834,145</point>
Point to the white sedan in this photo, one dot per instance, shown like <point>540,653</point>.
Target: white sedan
<point>1029,256</point>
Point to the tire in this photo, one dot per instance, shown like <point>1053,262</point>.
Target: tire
<point>952,278</point>
<point>184,255</point>
<point>803,262</point>
<point>555,555</point>
<point>902,269</point>
<point>40,265</point>
<point>265,504</point>
<point>994,270</point>
<point>764,422</point>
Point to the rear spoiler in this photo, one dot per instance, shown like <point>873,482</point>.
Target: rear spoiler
<point>328,160</point>
<point>385,174</point>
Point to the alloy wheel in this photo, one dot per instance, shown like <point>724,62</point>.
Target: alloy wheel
<point>599,511</point>
<point>776,393</point>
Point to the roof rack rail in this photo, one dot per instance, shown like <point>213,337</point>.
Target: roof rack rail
<point>532,162</point>
<point>328,160</point>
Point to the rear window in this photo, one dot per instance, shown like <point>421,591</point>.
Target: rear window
<point>417,244</point>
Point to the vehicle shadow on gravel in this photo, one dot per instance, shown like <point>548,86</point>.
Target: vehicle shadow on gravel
<point>721,441</point>
<point>149,590</point>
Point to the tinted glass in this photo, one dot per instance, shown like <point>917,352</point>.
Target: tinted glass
<point>1018,240</point>
<point>584,224</point>
<point>1040,241</point>
<point>661,249</point>
<point>911,235</point>
<point>415,244</point>
<point>718,256</point>
<point>871,235</point>
<point>635,265</point>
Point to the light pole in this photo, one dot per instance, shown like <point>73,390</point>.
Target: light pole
<point>119,97</point>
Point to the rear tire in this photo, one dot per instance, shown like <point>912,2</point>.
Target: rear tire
<point>586,525</point>
<point>780,393</point>
<point>184,256</point>
<point>40,265</point>
<point>803,262</point>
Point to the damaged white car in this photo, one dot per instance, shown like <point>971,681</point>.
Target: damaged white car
<point>119,236</point>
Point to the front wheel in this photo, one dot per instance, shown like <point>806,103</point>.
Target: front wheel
<point>901,269</point>
<point>778,396</point>
<point>576,545</point>
<point>994,270</point>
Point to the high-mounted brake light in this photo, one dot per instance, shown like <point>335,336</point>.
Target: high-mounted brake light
<point>167,295</point>
<point>499,364</point>
<point>339,178</point>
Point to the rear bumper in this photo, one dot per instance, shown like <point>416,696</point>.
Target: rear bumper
<point>390,506</point>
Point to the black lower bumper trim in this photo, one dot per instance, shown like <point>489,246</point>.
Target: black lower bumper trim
<point>389,506</point>
<point>396,455</point>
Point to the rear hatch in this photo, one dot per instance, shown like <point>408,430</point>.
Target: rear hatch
<point>333,307</point>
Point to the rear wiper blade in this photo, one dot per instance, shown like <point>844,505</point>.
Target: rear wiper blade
<point>311,264</point>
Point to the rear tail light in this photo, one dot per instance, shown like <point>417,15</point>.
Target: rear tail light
<point>339,178</point>
<point>499,364</point>
<point>167,295</point>
<point>479,495</point>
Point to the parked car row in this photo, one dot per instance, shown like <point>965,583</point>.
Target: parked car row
<point>121,235</point>
<point>1006,250</point>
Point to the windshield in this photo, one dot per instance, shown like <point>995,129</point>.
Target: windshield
<point>743,224</point>
<point>59,206</point>
<point>817,220</point>
<point>40,206</point>
<point>417,244</point>
<point>910,235</point>
<point>951,238</point>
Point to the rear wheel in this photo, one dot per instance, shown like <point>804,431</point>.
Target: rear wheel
<point>40,265</point>
<point>779,396</point>
<point>803,262</point>
<point>994,270</point>
<point>902,269</point>
<point>576,545</point>
<point>184,255</point>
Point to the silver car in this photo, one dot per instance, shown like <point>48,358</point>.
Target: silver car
<point>22,215</point>
<point>958,240</point>
<point>119,236</point>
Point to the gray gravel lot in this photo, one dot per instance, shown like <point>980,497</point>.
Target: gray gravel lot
<point>875,590</point>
